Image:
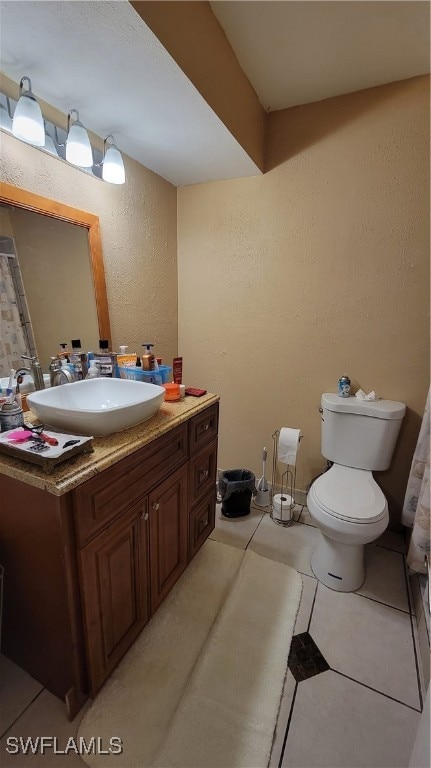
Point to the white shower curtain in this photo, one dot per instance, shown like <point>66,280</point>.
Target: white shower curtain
<point>416,509</point>
<point>12,343</point>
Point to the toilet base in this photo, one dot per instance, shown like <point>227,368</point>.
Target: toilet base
<point>338,566</point>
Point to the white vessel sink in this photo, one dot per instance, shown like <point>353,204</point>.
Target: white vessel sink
<point>96,407</point>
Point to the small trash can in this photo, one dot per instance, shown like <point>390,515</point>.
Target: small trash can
<point>236,487</point>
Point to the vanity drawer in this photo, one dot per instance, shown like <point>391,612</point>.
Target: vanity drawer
<point>203,428</point>
<point>202,473</point>
<point>202,521</point>
<point>98,502</point>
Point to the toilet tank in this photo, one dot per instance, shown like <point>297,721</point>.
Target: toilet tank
<point>360,433</point>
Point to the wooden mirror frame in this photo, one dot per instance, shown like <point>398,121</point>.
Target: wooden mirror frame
<point>47,207</point>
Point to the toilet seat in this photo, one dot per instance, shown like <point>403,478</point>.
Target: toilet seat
<point>349,494</point>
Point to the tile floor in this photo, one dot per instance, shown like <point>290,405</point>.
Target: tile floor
<point>361,711</point>
<point>365,709</point>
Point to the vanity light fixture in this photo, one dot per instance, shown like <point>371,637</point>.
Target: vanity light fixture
<point>5,117</point>
<point>49,143</point>
<point>112,163</point>
<point>78,147</point>
<point>27,123</point>
<point>24,120</point>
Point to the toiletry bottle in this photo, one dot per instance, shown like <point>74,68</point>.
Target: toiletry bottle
<point>66,365</point>
<point>11,416</point>
<point>75,358</point>
<point>64,352</point>
<point>148,359</point>
<point>106,360</point>
<point>93,371</point>
<point>177,370</point>
<point>79,360</point>
<point>343,386</point>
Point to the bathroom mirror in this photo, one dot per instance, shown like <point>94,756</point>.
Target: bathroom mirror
<point>59,253</point>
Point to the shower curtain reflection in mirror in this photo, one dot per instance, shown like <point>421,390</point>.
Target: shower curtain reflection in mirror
<point>16,336</point>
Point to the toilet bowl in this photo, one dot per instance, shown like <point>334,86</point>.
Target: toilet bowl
<point>350,511</point>
<point>347,505</point>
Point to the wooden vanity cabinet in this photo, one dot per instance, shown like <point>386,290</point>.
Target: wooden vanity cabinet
<point>85,570</point>
<point>137,528</point>
<point>128,569</point>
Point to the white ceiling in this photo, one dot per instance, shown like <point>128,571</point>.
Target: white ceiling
<point>100,58</point>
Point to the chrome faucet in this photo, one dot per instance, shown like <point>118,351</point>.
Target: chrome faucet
<point>34,370</point>
<point>59,375</point>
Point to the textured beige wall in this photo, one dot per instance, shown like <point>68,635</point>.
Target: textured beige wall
<point>317,268</point>
<point>138,228</point>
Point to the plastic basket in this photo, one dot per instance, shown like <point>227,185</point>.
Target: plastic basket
<point>161,376</point>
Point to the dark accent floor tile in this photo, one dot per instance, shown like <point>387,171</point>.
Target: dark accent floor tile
<point>305,659</point>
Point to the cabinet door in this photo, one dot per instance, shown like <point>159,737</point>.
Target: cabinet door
<point>202,520</point>
<point>168,534</point>
<point>202,473</point>
<point>114,585</point>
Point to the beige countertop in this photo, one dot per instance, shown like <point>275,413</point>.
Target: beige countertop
<point>107,450</point>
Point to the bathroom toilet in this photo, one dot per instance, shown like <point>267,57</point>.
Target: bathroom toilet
<point>346,503</point>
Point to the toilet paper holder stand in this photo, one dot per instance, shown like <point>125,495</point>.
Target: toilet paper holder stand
<point>283,515</point>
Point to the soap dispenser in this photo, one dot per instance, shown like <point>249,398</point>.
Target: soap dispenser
<point>64,352</point>
<point>148,359</point>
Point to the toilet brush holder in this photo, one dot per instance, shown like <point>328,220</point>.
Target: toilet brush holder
<point>262,498</point>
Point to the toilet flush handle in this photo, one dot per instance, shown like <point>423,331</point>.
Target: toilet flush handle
<point>321,412</point>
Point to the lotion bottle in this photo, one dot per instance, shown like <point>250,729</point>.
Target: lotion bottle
<point>148,359</point>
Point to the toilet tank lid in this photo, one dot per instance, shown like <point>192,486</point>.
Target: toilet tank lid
<point>380,409</point>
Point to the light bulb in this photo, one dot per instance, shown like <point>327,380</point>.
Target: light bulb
<point>78,147</point>
<point>27,123</point>
<point>113,166</point>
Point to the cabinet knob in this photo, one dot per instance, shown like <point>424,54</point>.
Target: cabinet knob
<point>156,505</point>
<point>205,427</point>
<point>144,515</point>
<point>203,474</point>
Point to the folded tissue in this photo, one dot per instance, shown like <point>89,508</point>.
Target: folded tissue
<point>361,395</point>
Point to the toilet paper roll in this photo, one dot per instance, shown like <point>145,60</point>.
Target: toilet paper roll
<point>282,505</point>
<point>288,442</point>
